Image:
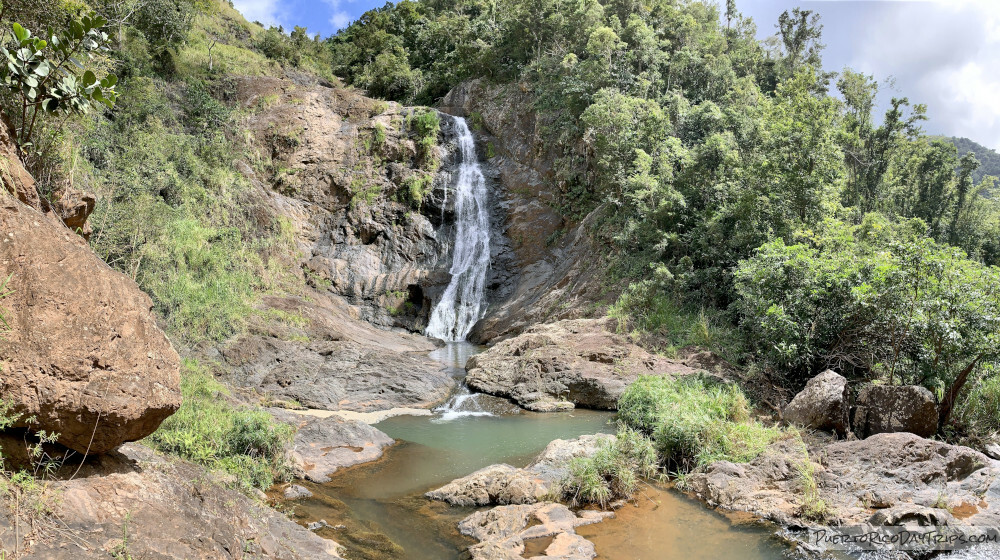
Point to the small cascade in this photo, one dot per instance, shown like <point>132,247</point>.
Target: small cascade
<point>462,404</point>
<point>463,301</point>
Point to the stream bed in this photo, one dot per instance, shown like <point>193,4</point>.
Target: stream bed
<point>378,510</point>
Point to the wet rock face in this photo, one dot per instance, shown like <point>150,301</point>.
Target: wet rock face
<point>322,446</point>
<point>170,510</point>
<point>503,530</point>
<point>887,409</point>
<point>822,405</point>
<point>339,375</point>
<point>343,167</point>
<point>901,473</point>
<point>545,268</point>
<point>565,364</point>
<point>83,355</point>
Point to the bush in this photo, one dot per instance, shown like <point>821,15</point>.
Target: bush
<point>874,300</point>
<point>694,421</point>
<point>613,472</point>
<point>210,430</point>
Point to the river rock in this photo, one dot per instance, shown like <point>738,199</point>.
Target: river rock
<point>169,509</point>
<point>579,361</point>
<point>822,405</point>
<point>887,409</point>
<point>83,355</point>
<point>504,484</point>
<point>296,492</point>
<point>503,530</point>
<point>855,478</point>
<point>322,446</point>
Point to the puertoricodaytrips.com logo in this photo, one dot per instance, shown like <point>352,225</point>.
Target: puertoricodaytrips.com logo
<point>884,538</point>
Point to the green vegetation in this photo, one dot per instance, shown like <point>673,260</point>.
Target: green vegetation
<point>48,76</point>
<point>876,300</point>
<point>705,152</point>
<point>212,431</point>
<point>694,422</point>
<point>613,472</point>
<point>988,158</point>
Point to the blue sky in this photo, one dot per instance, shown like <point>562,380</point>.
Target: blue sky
<point>945,53</point>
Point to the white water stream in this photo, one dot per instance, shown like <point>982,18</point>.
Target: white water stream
<point>463,301</point>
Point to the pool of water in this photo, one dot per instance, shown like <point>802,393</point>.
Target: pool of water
<point>378,510</point>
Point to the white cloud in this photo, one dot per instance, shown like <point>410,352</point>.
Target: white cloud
<point>945,55</point>
<point>340,18</point>
<point>267,12</point>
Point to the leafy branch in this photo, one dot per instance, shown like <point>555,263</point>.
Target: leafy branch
<point>49,76</point>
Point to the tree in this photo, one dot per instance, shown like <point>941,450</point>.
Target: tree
<point>868,149</point>
<point>875,300</point>
<point>49,76</point>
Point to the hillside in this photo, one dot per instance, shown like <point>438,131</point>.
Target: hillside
<point>989,159</point>
<point>518,256</point>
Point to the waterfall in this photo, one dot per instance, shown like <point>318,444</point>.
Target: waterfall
<point>463,301</point>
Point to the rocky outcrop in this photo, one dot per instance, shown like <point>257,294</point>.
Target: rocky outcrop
<point>565,364</point>
<point>164,509</point>
<point>822,405</point>
<point>342,168</point>
<point>504,484</point>
<point>504,530</point>
<point>883,479</point>
<point>322,446</point>
<point>331,360</point>
<point>887,409</point>
<point>83,356</point>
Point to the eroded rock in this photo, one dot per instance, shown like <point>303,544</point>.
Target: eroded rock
<point>322,446</point>
<point>579,362</point>
<point>503,530</point>
<point>504,484</point>
<point>856,479</point>
<point>169,509</point>
<point>887,409</point>
<point>822,405</point>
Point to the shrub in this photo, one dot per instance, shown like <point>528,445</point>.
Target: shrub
<point>613,472</point>
<point>873,300</point>
<point>210,430</point>
<point>694,421</point>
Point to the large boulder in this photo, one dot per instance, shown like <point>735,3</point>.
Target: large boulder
<point>504,484</point>
<point>885,409</point>
<point>83,357</point>
<point>136,503</point>
<point>322,446</point>
<point>822,405</point>
<point>569,363</point>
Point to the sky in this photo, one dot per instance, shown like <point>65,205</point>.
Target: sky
<point>943,53</point>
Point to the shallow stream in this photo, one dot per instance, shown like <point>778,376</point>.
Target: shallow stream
<point>370,505</point>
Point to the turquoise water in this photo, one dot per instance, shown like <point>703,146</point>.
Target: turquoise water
<point>386,498</point>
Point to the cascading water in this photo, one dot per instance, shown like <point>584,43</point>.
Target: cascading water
<point>463,301</point>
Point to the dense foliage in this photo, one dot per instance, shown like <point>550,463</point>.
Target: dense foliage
<point>694,422</point>
<point>727,176</point>
<point>988,158</point>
